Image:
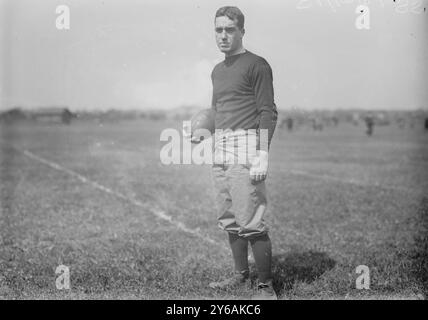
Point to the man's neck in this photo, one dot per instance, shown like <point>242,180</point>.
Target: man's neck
<point>234,53</point>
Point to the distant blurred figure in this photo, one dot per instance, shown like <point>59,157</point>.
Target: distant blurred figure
<point>426,123</point>
<point>369,119</point>
<point>317,124</point>
<point>289,124</point>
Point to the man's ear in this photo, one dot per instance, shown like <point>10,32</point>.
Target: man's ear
<point>243,31</point>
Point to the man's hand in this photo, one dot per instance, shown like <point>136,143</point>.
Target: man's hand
<point>188,135</point>
<point>259,166</point>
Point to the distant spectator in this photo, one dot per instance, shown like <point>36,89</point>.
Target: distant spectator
<point>369,123</point>
<point>289,123</point>
<point>317,124</point>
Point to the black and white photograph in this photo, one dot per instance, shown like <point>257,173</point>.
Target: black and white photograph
<point>224,151</point>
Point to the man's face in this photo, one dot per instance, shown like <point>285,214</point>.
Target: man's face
<point>228,35</point>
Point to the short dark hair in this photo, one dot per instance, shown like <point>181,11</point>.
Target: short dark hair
<point>233,13</point>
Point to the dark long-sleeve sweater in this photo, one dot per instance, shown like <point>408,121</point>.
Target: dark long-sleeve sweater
<point>243,95</point>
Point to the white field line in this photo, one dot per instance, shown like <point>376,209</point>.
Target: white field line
<point>315,176</point>
<point>320,177</point>
<point>349,181</point>
<point>157,212</point>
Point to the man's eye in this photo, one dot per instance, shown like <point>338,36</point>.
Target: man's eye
<point>228,30</point>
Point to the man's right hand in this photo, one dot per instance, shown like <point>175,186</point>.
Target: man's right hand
<point>188,135</point>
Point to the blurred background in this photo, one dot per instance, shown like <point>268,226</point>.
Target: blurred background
<point>134,58</point>
<point>82,184</point>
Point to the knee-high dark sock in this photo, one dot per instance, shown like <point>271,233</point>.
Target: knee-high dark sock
<point>262,251</point>
<point>239,248</point>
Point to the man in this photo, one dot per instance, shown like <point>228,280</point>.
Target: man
<point>243,101</point>
<point>369,119</point>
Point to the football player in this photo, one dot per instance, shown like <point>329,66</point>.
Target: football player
<point>243,101</point>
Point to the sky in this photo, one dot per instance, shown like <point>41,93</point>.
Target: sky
<point>159,54</point>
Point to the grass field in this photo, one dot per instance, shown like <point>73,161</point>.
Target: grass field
<point>97,199</point>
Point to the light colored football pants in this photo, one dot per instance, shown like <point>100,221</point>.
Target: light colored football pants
<point>241,202</point>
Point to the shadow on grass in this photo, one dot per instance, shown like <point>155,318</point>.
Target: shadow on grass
<point>297,266</point>
<point>419,254</point>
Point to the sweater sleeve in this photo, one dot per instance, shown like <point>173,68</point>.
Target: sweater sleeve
<point>262,81</point>
<point>213,99</point>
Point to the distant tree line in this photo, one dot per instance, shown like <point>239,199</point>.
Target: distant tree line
<point>289,119</point>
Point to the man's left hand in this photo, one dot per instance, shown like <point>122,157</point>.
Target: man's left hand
<point>259,166</point>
